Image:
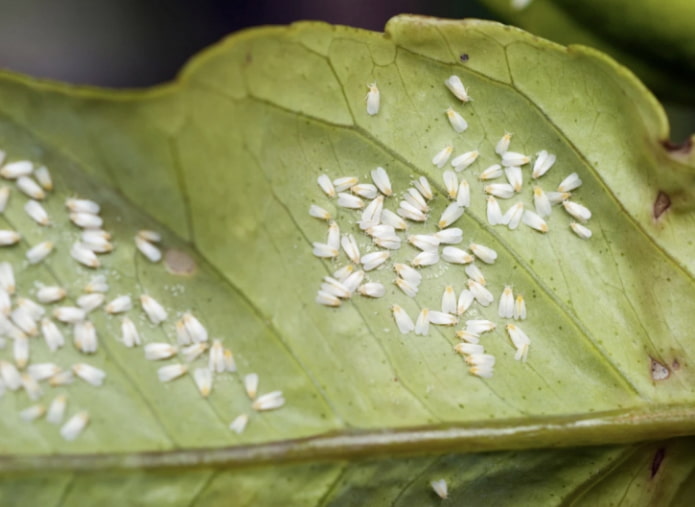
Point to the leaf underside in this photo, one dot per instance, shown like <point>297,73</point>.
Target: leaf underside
<point>224,162</point>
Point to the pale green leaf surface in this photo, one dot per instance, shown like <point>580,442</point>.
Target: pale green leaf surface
<point>227,159</point>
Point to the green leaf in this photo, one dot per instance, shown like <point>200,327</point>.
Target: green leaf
<point>653,39</point>
<point>224,162</point>
<point>642,474</point>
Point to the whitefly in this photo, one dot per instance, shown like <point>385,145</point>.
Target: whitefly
<point>39,252</point>
<point>381,179</point>
<point>465,300</point>
<point>69,314</point>
<point>455,86</point>
<point>8,237</point>
<point>364,190</point>
<point>451,183</point>
<point>457,122</point>
<point>450,215</point>
<point>576,210</point>
<point>153,309</point>
<point>449,300</point>
<point>326,185</point>
<point>90,374</point>
<point>36,212</point>
<point>500,190</point>
<point>503,144</point>
<point>408,273</point>
<point>251,381</point>
<point>372,289</point>
<point>512,158</point>
<point>373,260</point>
<point>534,221</point>
<point>86,220</point>
<point>580,230</point>
<point>410,212</point>
<point>571,182</point>
<point>512,218</point>
<point>82,206</point>
<point>74,426</point>
<point>269,401</point>
<point>544,161</point>
<point>89,302</point>
<point>171,372</point>
<point>4,197</point>
<point>344,183</point>
<point>403,321</point>
<point>449,236</point>
<point>373,99</point>
<point>16,169</point>
<point>541,202</point>
<point>147,249</point>
<point>442,156</point>
<point>120,304</point>
<point>29,187</point>
<point>494,212</point>
<point>349,201</point>
<point>491,172</point>
<point>456,255</point>
<point>84,255</point>
<point>408,289</point>
<point>43,176</point>
<point>463,197</point>
<point>506,303</point>
<point>372,213</point>
<point>416,199</point>
<point>50,294</point>
<point>425,259</point>
<point>474,273</point>
<point>350,248</point>
<point>463,161</point>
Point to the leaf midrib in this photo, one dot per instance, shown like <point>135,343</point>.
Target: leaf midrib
<point>666,422</point>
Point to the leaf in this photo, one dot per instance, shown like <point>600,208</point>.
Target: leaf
<point>224,162</point>
<point>640,474</point>
<point>658,55</point>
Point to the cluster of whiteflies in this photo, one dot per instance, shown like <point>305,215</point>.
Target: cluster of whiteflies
<point>45,314</point>
<point>36,184</point>
<point>385,227</point>
<point>510,167</point>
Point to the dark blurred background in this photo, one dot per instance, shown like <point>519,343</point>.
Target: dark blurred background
<point>134,43</point>
<point>139,43</point>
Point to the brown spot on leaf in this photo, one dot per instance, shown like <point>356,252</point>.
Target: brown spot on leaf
<point>659,371</point>
<point>675,365</point>
<point>661,204</point>
<point>679,149</point>
<point>179,263</point>
<point>656,462</point>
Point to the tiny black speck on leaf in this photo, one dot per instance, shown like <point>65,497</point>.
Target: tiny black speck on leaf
<point>464,57</point>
